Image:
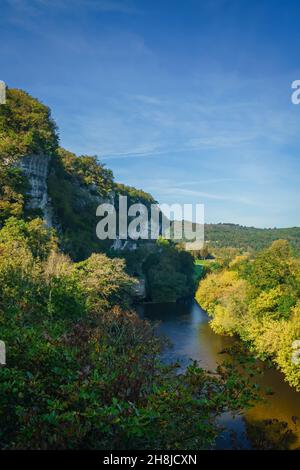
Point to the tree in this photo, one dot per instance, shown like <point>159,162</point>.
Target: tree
<point>169,272</point>
<point>271,266</point>
<point>26,127</point>
<point>257,297</point>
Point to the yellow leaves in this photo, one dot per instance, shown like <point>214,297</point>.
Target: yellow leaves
<point>265,334</point>
<point>262,312</point>
<point>223,295</point>
<point>294,266</point>
<point>281,248</point>
<point>103,279</point>
<point>266,302</point>
<point>238,260</point>
<point>224,321</point>
<point>8,208</point>
<point>223,288</point>
<point>212,287</point>
<point>56,265</point>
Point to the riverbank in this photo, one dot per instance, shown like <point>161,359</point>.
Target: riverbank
<point>256,297</point>
<point>272,423</point>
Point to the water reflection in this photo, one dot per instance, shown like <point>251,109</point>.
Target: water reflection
<point>274,423</point>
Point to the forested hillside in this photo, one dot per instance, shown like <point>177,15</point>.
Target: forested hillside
<point>38,178</point>
<point>249,238</point>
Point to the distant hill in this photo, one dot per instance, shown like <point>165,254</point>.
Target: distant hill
<point>249,238</point>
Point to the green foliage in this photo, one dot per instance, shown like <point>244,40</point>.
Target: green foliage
<point>257,297</point>
<point>271,267</point>
<point>167,269</point>
<point>13,186</point>
<point>105,282</point>
<point>199,271</point>
<point>26,127</point>
<point>87,171</point>
<point>31,234</point>
<point>202,267</point>
<point>134,195</point>
<point>169,273</point>
<point>84,184</point>
<point>82,372</point>
<point>248,238</point>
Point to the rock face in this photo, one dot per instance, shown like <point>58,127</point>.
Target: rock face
<point>120,245</point>
<point>35,168</point>
<point>140,289</point>
<point>2,92</point>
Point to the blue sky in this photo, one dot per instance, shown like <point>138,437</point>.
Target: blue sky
<point>189,100</point>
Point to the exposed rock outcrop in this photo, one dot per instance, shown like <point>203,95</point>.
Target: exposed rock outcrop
<point>35,168</point>
<point>140,288</point>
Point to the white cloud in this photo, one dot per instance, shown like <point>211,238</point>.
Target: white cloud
<point>176,191</point>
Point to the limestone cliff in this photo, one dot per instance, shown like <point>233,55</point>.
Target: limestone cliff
<point>35,168</point>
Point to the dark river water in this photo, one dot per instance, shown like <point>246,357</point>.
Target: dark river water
<point>272,423</point>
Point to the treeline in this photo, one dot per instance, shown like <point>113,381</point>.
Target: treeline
<point>249,238</point>
<point>257,298</point>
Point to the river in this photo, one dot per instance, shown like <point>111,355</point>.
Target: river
<point>272,423</point>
